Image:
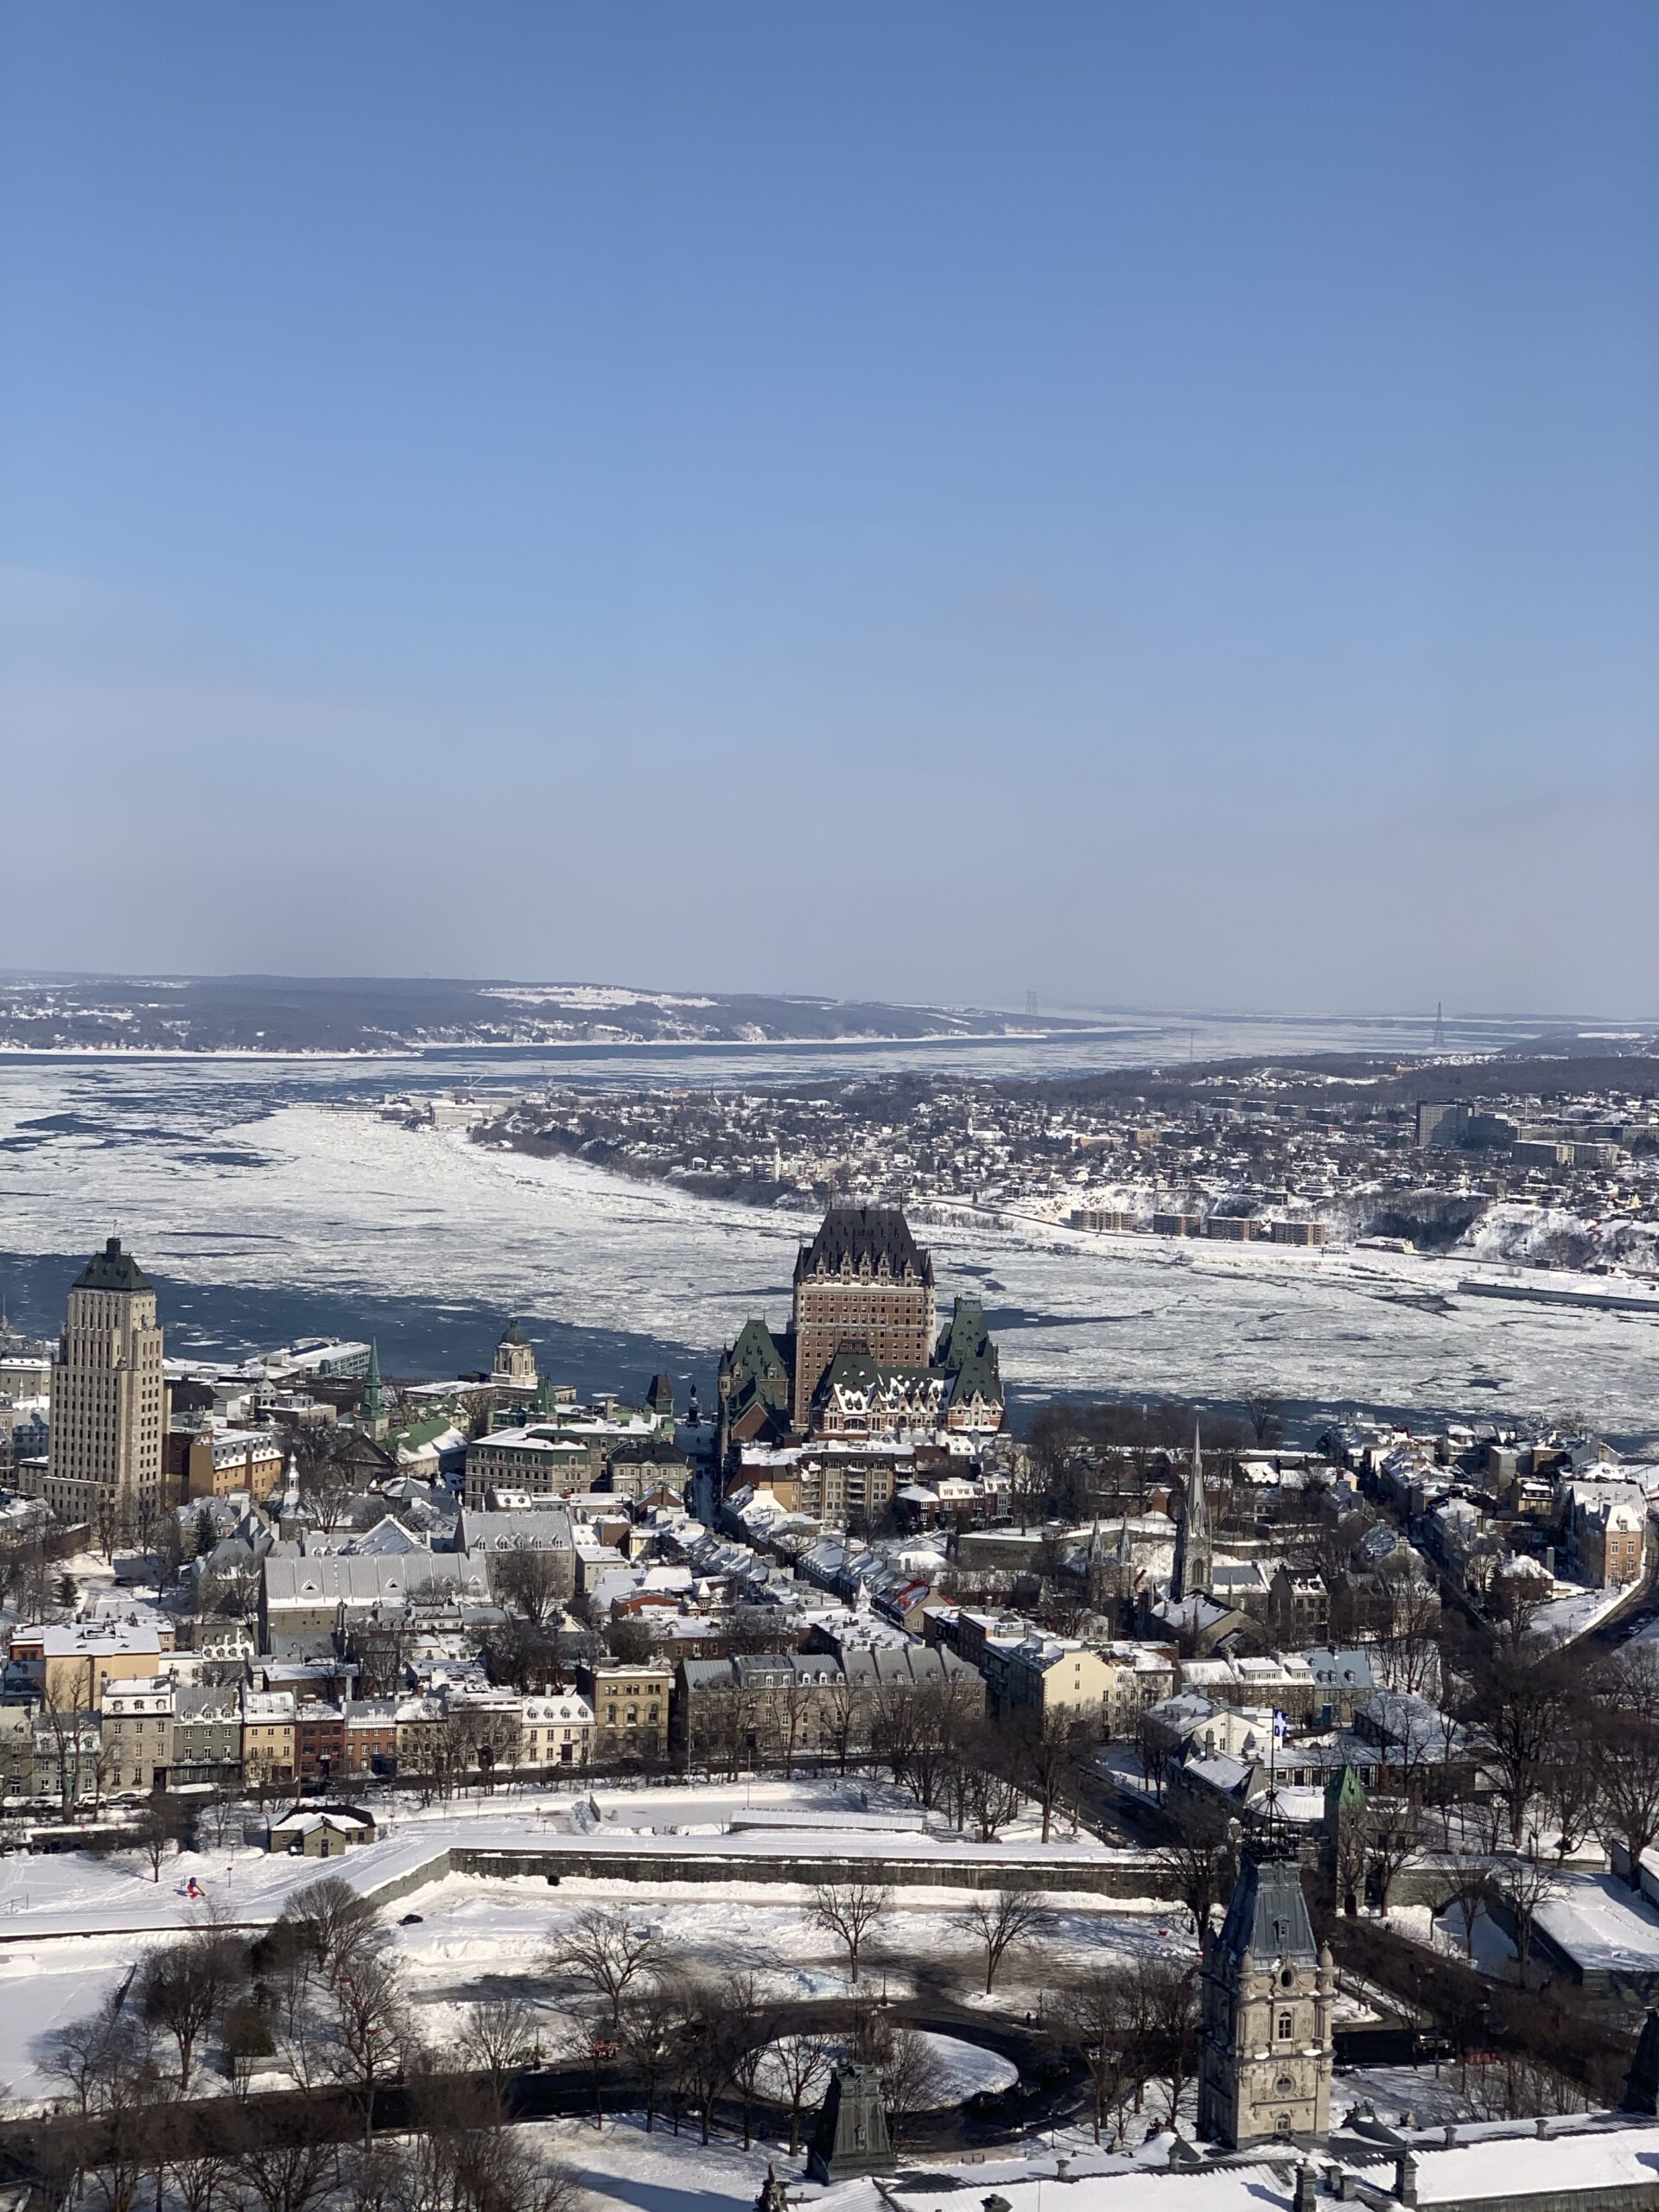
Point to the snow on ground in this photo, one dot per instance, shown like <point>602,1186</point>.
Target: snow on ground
<point>72,1923</point>
<point>1494,1953</point>
<point>218,1175</point>
<point>1574,1615</point>
<point>70,1893</point>
<point>477,1937</point>
<point>966,2069</point>
<point>47,1988</point>
<point>1603,1923</point>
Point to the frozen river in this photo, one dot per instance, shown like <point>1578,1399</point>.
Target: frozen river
<point>265,1209</point>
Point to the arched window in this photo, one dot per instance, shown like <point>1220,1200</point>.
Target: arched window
<point>1282,2125</point>
<point>1285,2027</point>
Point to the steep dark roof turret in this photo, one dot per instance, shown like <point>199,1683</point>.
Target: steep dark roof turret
<point>964,1336</point>
<point>1267,1915</point>
<point>112,1270</point>
<point>849,1236</point>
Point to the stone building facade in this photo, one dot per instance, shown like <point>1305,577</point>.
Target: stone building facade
<point>1268,1993</point>
<point>515,1360</point>
<point>108,1398</point>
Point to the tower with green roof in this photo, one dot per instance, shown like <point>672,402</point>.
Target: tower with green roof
<point>374,1401</point>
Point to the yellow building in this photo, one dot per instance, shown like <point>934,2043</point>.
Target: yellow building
<point>267,1736</point>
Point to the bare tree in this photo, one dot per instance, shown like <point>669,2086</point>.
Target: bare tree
<point>184,1989</point>
<point>108,2063</point>
<point>648,2030</point>
<point>197,2168</point>
<point>1467,1882</point>
<point>751,2022</point>
<point>913,2075</point>
<point>530,1581</point>
<point>1623,1748</point>
<point>372,2031</point>
<point>704,2059</point>
<point>328,1477</point>
<point>802,2061</point>
<point>993,1798</point>
<point>329,1922</point>
<point>1094,2020</point>
<point>460,2158</point>
<point>1165,2006</point>
<point>1523,1880</point>
<point>1195,1861</point>
<point>999,1923</point>
<point>1046,1760</point>
<point>283,2175</point>
<point>1393,1835</point>
<point>90,2054</point>
<point>850,1911</point>
<point>501,2037</point>
<point>1264,1409</point>
<point>604,1950</point>
<point>160,1832</point>
<point>1518,1697</point>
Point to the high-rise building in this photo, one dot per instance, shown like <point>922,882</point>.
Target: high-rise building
<point>862,1279</point>
<point>108,1398</point>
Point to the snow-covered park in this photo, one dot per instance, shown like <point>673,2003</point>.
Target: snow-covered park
<point>72,1925</point>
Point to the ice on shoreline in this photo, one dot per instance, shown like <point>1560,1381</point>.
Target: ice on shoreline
<point>217,1182</point>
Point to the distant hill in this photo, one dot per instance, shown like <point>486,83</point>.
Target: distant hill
<point>282,1015</point>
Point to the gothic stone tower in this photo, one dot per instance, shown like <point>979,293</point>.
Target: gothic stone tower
<point>1265,2056</point>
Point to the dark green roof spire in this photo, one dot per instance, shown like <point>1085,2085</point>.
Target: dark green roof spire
<point>373,1405</point>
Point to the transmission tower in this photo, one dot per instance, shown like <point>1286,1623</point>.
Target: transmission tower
<point>1440,1027</point>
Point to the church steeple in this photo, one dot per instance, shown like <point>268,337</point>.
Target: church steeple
<point>374,1401</point>
<point>1194,1557</point>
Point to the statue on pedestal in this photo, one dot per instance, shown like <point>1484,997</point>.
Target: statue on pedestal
<point>851,2136</point>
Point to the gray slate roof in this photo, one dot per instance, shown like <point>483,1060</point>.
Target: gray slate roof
<point>1267,1915</point>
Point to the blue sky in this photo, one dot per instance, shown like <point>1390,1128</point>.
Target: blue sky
<point>1157,504</point>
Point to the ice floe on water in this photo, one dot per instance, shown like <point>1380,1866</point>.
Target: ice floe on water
<point>222,1179</point>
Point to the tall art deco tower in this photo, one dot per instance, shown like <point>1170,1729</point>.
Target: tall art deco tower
<point>108,1403</point>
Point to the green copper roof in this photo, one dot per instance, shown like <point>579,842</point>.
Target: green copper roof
<point>371,1400</point>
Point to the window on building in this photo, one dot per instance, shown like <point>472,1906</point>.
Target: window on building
<point>1285,2027</point>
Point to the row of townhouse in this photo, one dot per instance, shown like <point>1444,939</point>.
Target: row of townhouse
<point>772,1708</point>
<point>159,1733</point>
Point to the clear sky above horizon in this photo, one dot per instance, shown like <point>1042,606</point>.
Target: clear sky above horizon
<point>1156,504</point>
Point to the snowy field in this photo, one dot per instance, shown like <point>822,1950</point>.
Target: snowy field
<point>71,1926</point>
<point>220,1176</point>
<point>477,1939</point>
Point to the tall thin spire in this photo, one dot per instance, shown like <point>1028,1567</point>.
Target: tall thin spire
<point>373,1404</point>
<point>1193,1564</point>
